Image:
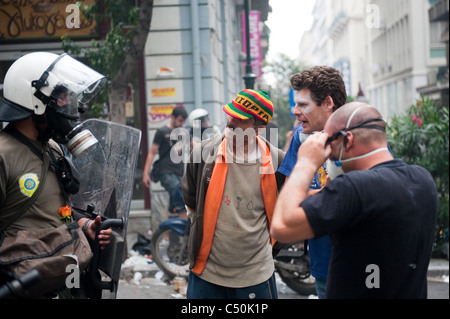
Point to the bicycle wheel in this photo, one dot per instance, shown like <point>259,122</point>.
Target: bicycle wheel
<point>170,253</point>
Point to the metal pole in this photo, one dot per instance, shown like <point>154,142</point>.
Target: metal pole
<point>249,77</point>
<point>197,71</point>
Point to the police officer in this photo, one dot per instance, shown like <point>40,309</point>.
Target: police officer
<point>42,92</point>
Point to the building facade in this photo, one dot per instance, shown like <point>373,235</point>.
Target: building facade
<point>437,88</point>
<point>194,56</point>
<point>387,50</point>
<point>338,40</point>
<point>405,55</point>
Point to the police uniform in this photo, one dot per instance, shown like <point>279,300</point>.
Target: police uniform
<point>20,175</point>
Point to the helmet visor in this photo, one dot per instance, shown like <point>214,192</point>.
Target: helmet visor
<point>77,78</point>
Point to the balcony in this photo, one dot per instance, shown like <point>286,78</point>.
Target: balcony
<point>338,25</point>
<point>439,10</point>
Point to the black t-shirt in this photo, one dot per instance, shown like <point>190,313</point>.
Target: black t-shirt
<point>162,139</point>
<point>381,224</point>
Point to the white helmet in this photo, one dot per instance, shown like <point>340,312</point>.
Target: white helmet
<point>197,114</point>
<point>31,79</point>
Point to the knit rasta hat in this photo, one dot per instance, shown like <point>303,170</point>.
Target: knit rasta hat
<point>249,104</point>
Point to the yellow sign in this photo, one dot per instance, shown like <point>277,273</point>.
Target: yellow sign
<point>162,109</point>
<point>26,19</point>
<point>158,114</point>
<point>163,92</point>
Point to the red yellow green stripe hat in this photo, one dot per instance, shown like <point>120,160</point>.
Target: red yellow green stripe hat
<point>249,104</point>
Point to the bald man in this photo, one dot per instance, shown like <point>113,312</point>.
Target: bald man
<point>380,214</point>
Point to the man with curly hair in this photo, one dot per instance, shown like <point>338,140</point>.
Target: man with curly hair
<point>319,91</point>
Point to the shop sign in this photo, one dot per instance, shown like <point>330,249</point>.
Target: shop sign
<point>163,92</point>
<point>28,19</point>
<point>255,41</point>
<point>158,114</point>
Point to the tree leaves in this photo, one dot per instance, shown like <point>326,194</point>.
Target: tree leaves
<point>282,69</point>
<point>421,137</point>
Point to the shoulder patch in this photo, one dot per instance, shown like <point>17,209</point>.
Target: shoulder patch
<point>28,183</point>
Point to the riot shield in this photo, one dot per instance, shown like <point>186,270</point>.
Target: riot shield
<point>106,171</point>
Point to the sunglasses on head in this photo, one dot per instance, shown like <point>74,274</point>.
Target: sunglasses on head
<point>336,135</point>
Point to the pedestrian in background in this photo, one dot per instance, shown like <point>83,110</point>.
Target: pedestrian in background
<point>380,215</point>
<point>200,126</point>
<point>230,194</point>
<point>170,172</point>
<point>319,91</point>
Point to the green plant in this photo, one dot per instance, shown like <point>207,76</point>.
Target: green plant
<point>421,137</point>
<point>116,54</point>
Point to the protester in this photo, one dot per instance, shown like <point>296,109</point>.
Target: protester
<point>380,215</point>
<point>320,90</point>
<point>230,190</point>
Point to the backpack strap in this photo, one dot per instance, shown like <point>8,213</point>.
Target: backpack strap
<point>11,130</point>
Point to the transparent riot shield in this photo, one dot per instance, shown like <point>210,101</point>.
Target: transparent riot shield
<point>106,171</point>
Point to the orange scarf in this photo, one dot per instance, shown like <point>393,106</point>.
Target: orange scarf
<point>214,195</point>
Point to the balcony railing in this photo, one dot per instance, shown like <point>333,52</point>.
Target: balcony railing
<point>439,10</point>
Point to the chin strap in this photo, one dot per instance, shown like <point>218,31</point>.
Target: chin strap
<point>38,84</point>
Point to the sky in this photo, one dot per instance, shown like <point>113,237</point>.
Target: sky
<point>287,22</point>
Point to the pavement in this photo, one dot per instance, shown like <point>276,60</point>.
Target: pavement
<point>142,279</point>
<point>438,267</point>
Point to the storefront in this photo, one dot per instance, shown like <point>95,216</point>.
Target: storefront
<point>38,25</point>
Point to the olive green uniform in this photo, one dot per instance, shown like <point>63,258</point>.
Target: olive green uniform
<point>20,175</point>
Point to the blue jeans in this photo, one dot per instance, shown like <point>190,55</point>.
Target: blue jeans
<point>172,184</point>
<point>321,285</point>
<point>201,289</point>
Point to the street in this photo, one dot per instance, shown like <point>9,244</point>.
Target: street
<point>154,288</point>
<point>437,288</point>
<point>144,281</point>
